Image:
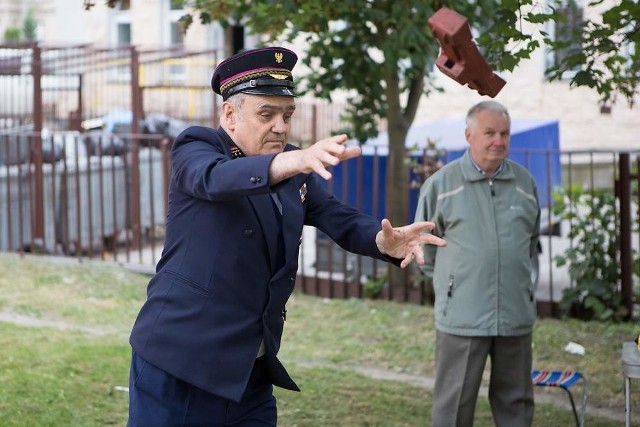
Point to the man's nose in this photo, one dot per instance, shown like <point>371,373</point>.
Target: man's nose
<point>500,139</point>
<point>280,126</point>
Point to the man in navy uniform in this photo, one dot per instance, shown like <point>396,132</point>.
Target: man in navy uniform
<point>205,342</point>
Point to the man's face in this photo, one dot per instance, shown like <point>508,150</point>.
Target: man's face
<point>488,137</point>
<point>262,125</point>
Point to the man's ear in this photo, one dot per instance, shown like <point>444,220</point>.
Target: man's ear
<point>229,115</point>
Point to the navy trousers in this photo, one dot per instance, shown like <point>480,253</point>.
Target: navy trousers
<point>158,399</point>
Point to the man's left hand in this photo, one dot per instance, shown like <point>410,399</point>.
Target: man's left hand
<point>406,242</point>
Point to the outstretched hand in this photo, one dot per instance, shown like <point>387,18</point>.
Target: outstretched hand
<point>316,158</point>
<point>406,242</point>
<point>327,152</point>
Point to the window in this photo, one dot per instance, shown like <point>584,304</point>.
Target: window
<point>175,70</point>
<point>567,31</point>
<point>124,34</point>
<point>177,36</point>
<point>121,71</point>
<point>124,5</point>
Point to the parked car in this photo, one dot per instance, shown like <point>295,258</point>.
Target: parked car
<point>15,144</point>
<point>108,134</point>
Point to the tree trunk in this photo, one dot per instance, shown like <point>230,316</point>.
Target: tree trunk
<point>397,192</point>
<point>399,119</point>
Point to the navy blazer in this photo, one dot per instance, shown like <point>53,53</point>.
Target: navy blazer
<point>217,293</point>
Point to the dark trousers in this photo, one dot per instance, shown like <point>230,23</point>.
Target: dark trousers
<point>158,399</point>
<point>460,363</point>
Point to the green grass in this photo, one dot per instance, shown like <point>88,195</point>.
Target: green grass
<point>62,370</point>
<point>60,378</point>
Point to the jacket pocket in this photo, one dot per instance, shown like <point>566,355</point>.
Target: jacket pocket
<point>180,280</point>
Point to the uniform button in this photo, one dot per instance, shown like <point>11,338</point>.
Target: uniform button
<point>255,179</point>
<point>248,232</point>
<point>292,280</point>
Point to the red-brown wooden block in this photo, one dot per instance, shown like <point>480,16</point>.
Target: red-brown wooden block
<point>459,56</point>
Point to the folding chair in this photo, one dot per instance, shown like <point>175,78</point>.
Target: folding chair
<point>565,380</point>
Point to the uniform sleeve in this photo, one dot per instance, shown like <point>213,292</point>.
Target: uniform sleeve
<point>201,168</point>
<point>351,229</point>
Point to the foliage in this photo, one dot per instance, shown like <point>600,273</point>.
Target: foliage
<point>29,26</point>
<point>592,256</point>
<point>605,58</point>
<point>27,32</point>
<point>425,166</point>
<point>373,287</point>
<point>11,34</point>
<point>608,59</point>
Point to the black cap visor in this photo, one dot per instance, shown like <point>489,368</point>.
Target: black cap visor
<point>276,87</point>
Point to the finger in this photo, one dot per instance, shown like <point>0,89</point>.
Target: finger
<point>333,142</point>
<point>340,139</point>
<point>350,153</point>
<point>386,226</point>
<point>407,260</point>
<point>430,239</point>
<point>423,225</point>
<point>322,171</point>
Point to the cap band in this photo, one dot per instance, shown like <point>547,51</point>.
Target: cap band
<point>258,83</point>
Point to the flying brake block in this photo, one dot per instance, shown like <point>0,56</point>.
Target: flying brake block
<point>459,56</point>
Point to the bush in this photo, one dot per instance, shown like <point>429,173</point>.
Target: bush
<point>12,34</point>
<point>592,256</point>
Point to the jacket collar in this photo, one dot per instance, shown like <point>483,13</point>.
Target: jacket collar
<point>471,173</point>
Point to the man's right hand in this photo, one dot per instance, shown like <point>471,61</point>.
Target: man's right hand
<point>316,158</point>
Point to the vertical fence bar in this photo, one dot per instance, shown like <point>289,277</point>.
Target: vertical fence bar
<point>626,261</point>
<point>37,205</point>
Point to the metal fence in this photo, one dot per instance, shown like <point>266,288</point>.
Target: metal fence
<point>125,90</point>
<point>329,271</point>
<point>102,198</point>
<point>84,170</point>
<point>107,197</point>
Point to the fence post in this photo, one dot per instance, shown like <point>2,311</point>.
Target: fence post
<point>626,261</point>
<point>136,95</point>
<point>136,116</point>
<point>35,143</point>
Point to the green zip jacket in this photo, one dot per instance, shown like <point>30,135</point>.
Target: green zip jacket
<point>482,278</point>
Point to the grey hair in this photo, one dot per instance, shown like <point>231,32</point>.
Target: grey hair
<point>236,101</point>
<point>493,106</point>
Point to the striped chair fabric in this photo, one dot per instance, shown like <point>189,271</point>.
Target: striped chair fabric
<point>565,380</point>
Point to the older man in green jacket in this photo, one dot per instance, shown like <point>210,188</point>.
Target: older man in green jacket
<point>486,207</point>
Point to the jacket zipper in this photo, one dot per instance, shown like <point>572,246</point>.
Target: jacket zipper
<point>449,294</point>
